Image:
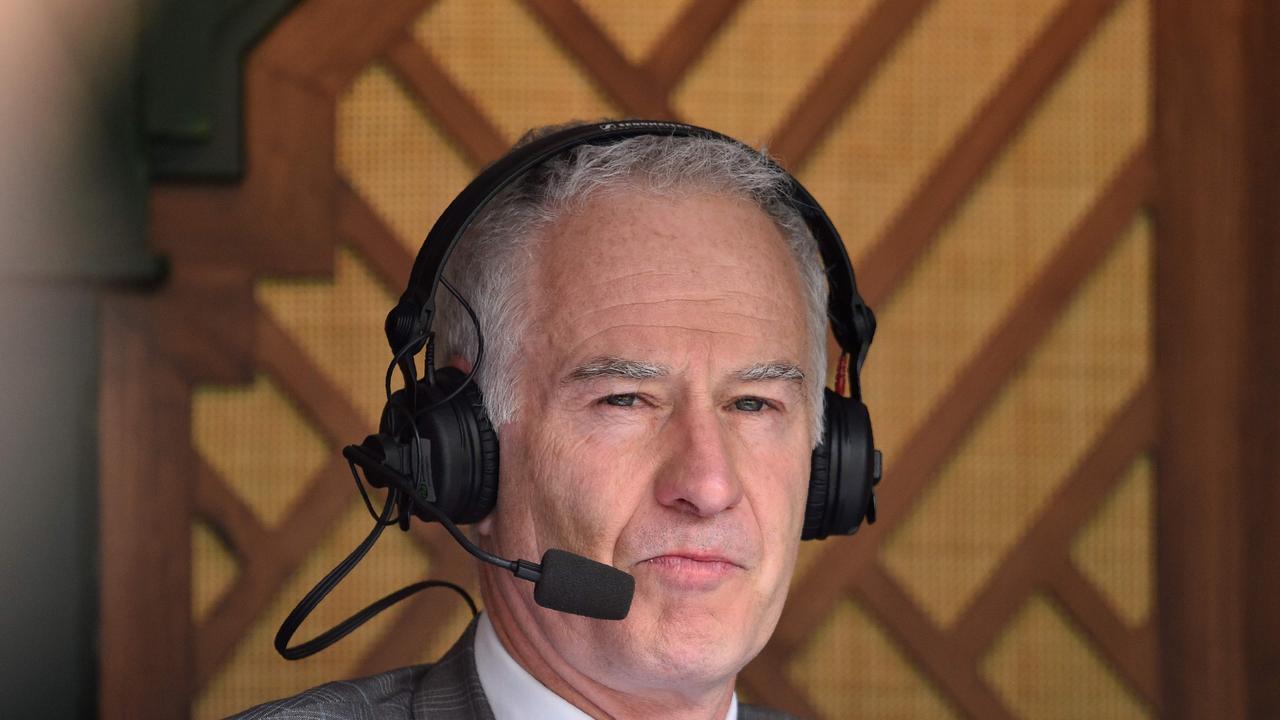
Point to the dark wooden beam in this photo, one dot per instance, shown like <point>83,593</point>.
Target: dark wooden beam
<point>1217,280</point>
<point>144,495</point>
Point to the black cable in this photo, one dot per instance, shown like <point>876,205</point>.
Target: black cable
<point>400,359</point>
<point>479,345</point>
<point>403,358</point>
<point>397,357</point>
<point>365,496</point>
<point>322,588</point>
<point>331,580</point>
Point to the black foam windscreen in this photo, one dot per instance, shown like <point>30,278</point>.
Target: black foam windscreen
<point>581,586</point>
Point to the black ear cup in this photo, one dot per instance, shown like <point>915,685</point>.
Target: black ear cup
<point>461,443</point>
<point>844,471</point>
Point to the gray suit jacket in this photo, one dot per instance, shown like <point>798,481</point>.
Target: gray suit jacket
<point>447,690</point>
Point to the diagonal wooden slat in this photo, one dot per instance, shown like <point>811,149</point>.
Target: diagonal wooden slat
<point>361,228</point>
<point>269,566</point>
<point>629,86</point>
<point>229,516</point>
<point>842,80</point>
<point>480,140</point>
<point>1119,645</point>
<point>325,406</point>
<point>976,387</point>
<point>953,673</point>
<point>685,41</point>
<point>1131,432</point>
<point>993,126</point>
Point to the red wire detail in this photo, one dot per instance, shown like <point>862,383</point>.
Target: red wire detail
<point>842,373</point>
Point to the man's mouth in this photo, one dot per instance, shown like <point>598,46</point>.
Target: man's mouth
<point>691,570</point>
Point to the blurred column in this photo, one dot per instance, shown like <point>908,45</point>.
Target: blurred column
<point>1217,343</point>
<point>72,201</point>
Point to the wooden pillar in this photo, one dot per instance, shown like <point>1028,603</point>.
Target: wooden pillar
<point>144,523</point>
<point>1217,149</point>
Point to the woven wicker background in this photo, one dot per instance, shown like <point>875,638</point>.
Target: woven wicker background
<point>968,151</point>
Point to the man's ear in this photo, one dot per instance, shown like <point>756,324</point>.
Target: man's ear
<point>457,361</point>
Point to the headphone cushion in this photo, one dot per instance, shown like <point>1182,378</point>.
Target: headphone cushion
<point>464,446</point>
<point>842,471</point>
<point>815,506</point>
<point>485,495</point>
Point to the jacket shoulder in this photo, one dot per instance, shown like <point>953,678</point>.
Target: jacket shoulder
<point>385,696</point>
<point>448,689</point>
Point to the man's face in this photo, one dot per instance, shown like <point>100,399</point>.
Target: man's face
<point>663,429</point>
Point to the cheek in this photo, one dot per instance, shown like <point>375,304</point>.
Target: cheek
<point>573,494</point>
<point>781,489</point>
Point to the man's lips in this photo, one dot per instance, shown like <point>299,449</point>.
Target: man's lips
<point>694,556</point>
<point>691,570</point>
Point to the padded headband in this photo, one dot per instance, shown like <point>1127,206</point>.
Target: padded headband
<point>852,321</point>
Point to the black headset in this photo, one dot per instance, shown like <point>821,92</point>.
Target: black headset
<point>437,432</point>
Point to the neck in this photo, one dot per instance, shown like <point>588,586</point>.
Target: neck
<point>509,609</point>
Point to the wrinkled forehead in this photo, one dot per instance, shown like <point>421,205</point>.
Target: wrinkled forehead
<point>682,230</point>
<point>698,262</point>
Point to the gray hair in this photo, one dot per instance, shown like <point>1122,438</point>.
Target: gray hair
<point>490,265</point>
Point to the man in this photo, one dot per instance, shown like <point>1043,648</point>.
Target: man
<point>653,312</point>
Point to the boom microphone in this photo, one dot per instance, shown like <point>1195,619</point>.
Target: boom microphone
<point>581,586</point>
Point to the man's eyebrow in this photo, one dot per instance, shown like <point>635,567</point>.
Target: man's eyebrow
<point>761,372</point>
<point>615,367</point>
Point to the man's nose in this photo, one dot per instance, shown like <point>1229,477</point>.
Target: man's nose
<point>698,476</point>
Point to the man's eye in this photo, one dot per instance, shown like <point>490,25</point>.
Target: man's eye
<point>749,404</point>
<point>620,400</point>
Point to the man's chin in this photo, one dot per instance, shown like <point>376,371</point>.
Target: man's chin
<point>679,663</point>
<point>687,640</point>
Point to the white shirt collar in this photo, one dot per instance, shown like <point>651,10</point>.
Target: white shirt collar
<point>514,694</point>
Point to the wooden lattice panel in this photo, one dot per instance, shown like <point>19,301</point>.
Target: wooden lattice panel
<point>986,162</point>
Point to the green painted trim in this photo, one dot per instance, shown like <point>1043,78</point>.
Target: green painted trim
<point>192,84</point>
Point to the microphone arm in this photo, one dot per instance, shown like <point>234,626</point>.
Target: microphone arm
<point>522,569</point>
